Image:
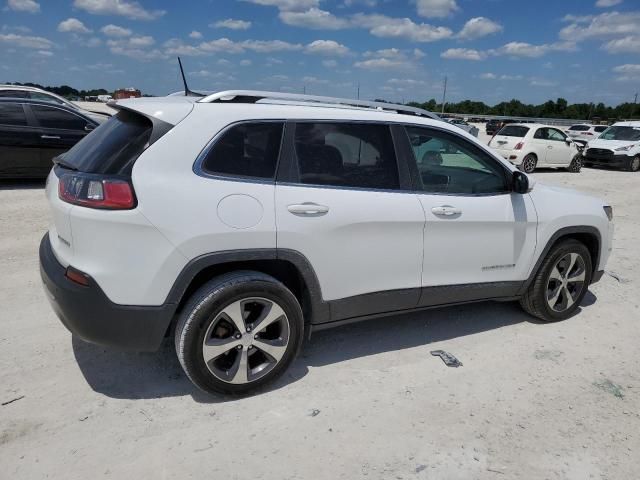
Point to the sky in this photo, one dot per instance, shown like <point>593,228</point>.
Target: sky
<point>399,50</point>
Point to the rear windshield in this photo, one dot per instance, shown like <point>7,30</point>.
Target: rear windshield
<point>513,131</point>
<point>579,128</point>
<point>113,147</point>
<point>630,134</point>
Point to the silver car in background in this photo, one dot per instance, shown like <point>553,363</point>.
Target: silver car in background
<point>467,127</point>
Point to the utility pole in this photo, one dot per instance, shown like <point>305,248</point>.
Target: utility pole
<point>635,100</point>
<point>358,93</point>
<point>304,89</point>
<point>444,93</point>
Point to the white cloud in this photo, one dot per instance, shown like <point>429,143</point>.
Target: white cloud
<point>287,4</point>
<point>45,53</point>
<point>29,6</point>
<point>418,53</point>
<point>245,63</point>
<point>327,47</point>
<point>407,82</point>
<point>605,25</point>
<point>196,35</point>
<point>542,82</point>
<point>389,27</point>
<point>124,8</point>
<point>72,25</point>
<point>493,76</point>
<point>311,79</point>
<point>115,31</point>
<point>330,63</point>
<point>25,41</point>
<point>608,3</point>
<point>232,24</point>
<point>263,46</point>
<point>436,8</point>
<point>521,49</point>
<point>479,27</point>
<point>390,53</point>
<point>629,44</point>
<point>381,64</point>
<point>366,3</point>
<point>314,18</point>
<point>463,54</point>
<point>136,47</point>
<point>628,72</point>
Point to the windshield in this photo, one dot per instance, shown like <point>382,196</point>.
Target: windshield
<point>113,146</point>
<point>513,131</point>
<point>629,134</point>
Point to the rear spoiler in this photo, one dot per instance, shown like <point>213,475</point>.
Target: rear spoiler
<point>159,127</point>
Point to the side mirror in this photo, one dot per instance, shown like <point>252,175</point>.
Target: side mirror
<point>520,183</point>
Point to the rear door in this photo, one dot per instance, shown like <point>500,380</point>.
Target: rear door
<point>347,207</point>
<point>19,142</point>
<point>59,131</point>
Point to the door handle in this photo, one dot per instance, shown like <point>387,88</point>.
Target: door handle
<point>308,209</point>
<point>549,146</point>
<point>50,137</point>
<point>446,211</point>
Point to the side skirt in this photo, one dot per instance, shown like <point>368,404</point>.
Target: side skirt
<point>395,302</point>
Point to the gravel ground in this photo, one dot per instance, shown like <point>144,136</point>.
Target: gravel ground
<point>556,401</point>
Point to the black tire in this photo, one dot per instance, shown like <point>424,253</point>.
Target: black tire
<point>633,164</point>
<point>535,302</point>
<point>206,305</point>
<point>576,164</point>
<point>529,163</point>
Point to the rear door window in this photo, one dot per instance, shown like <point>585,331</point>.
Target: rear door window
<point>51,117</point>
<point>513,131</point>
<point>12,114</point>
<point>113,146</point>
<point>14,94</point>
<point>356,155</point>
<point>246,150</point>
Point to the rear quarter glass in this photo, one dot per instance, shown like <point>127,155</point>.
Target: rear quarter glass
<point>113,147</point>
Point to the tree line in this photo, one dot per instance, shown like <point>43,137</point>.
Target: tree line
<point>513,108</point>
<point>549,109</point>
<point>66,91</point>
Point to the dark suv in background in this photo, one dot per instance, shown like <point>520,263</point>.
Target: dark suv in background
<point>493,126</point>
<point>33,132</point>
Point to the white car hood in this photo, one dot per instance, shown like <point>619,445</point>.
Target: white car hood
<point>610,144</point>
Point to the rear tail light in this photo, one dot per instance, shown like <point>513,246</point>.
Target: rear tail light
<point>76,276</point>
<point>96,191</point>
<point>519,146</point>
<point>588,133</point>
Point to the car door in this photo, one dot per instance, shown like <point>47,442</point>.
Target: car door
<point>19,142</point>
<point>560,152</point>
<point>541,145</point>
<point>479,236</point>
<point>60,130</point>
<point>348,208</point>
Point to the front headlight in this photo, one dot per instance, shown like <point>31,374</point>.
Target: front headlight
<point>624,149</point>
<point>609,211</point>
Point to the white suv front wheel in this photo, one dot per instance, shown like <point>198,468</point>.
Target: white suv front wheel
<point>238,332</point>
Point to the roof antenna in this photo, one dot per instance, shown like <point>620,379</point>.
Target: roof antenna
<point>187,92</point>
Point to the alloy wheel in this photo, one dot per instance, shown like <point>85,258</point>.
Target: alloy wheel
<point>566,282</point>
<point>246,340</point>
<point>528,164</point>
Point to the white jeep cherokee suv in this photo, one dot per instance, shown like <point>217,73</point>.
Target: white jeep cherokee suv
<point>239,221</point>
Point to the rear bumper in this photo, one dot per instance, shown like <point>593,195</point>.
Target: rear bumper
<point>89,314</point>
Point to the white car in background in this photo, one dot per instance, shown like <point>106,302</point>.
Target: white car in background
<point>470,129</point>
<point>618,146</point>
<point>532,145</point>
<point>22,91</point>
<point>583,132</point>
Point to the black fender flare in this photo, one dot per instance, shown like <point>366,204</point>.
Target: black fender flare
<point>564,232</point>
<point>320,308</point>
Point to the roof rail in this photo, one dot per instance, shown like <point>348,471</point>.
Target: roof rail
<point>254,96</point>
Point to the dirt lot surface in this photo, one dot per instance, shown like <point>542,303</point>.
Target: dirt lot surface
<point>543,401</point>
